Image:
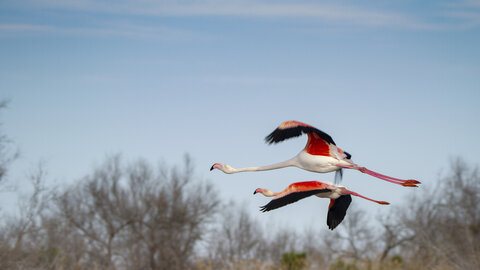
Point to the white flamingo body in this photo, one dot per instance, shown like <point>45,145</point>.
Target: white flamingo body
<point>319,155</point>
<point>333,194</point>
<point>320,164</point>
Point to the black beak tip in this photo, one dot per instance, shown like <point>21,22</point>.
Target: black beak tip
<point>211,168</point>
<point>255,192</point>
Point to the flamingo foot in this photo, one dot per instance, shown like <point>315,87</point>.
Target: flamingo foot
<point>411,181</point>
<point>408,185</point>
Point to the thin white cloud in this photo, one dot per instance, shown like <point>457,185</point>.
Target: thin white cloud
<point>465,13</point>
<point>18,27</point>
<point>460,15</point>
<point>249,80</point>
<point>21,29</point>
<point>334,13</point>
<point>118,29</point>
<point>472,3</point>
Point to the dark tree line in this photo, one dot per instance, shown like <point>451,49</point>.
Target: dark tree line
<point>118,217</point>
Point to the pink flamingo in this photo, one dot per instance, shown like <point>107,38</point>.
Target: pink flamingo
<point>340,198</point>
<point>319,155</point>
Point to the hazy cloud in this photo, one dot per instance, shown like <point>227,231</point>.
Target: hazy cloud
<point>338,13</point>
<point>461,14</point>
<point>466,13</point>
<point>111,29</point>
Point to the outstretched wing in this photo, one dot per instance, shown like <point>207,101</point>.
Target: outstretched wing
<point>337,210</point>
<point>290,129</point>
<point>318,142</point>
<point>290,198</point>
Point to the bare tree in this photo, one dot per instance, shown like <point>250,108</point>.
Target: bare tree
<point>135,218</point>
<point>353,243</point>
<point>95,208</point>
<point>241,242</point>
<point>441,224</point>
<point>7,153</point>
<point>171,219</point>
<point>394,234</point>
<point>119,217</point>
<point>21,236</point>
<point>237,241</point>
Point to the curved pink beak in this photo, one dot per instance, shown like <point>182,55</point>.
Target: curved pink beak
<point>215,166</point>
<point>258,190</point>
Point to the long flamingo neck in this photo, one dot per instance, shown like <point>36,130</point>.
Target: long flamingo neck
<point>366,198</point>
<point>269,193</point>
<point>265,168</point>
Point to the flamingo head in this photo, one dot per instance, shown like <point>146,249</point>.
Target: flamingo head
<point>222,167</point>
<point>258,190</point>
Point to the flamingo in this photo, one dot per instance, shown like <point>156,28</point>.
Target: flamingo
<point>340,198</point>
<point>319,155</point>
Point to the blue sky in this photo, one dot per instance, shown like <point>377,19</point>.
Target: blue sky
<point>396,84</point>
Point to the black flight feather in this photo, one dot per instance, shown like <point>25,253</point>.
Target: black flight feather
<point>338,210</point>
<point>280,134</point>
<point>290,198</point>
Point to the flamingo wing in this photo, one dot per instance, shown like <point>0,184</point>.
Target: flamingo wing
<point>319,142</point>
<point>290,129</point>
<point>337,210</point>
<point>289,198</point>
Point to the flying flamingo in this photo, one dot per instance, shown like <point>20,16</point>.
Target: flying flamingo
<point>340,198</point>
<point>319,155</point>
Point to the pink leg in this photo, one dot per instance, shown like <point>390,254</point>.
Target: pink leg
<point>356,194</point>
<point>410,181</point>
<point>406,183</point>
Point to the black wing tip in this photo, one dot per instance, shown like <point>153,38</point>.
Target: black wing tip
<point>280,134</point>
<point>337,212</point>
<point>331,227</point>
<point>264,209</point>
<point>269,139</point>
<point>275,137</point>
<point>333,223</point>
